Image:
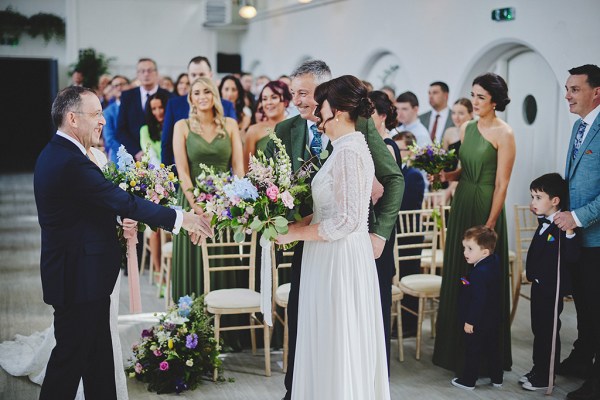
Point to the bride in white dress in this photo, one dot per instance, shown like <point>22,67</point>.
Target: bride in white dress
<point>29,355</point>
<point>340,350</point>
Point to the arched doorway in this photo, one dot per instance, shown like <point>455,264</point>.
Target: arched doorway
<point>537,114</point>
<point>383,68</point>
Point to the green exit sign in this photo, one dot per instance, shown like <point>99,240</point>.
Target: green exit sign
<point>503,14</point>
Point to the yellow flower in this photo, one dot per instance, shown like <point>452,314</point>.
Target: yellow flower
<point>171,175</point>
<point>132,183</point>
<point>138,164</point>
<point>132,374</point>
<point>162,165</point>
<point>170,344</point>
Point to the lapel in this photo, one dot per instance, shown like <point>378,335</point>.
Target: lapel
<point>572,164</point>
<point>299,135</point>
<point>69,146</point>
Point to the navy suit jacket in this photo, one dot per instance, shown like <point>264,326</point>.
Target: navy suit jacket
<point>479,300</point>
<point>109,132</point>
<point>179,108</point>
<point>77,210</point>
<point>132,118</point>
<point>415,189</point>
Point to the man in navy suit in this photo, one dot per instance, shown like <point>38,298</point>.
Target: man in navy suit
<point>582,173</point>
<point>111,113</point>
<point>179,108</point>
<point>133,103</point>
<point>81,256</point>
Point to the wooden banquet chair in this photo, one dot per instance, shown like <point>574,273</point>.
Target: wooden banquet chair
<point>217,255</point>
<point>281,294</point>
<point>526,224</point>
<point>164,275</point>
<point>424,286</point>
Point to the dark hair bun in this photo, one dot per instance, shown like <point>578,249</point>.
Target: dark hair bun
<point>502,103</point>
<point>496,86</point>
<point>365,108</point>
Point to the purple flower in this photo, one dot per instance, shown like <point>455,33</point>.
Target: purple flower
<point>151,166</point>
<point>191,341</point>
<point>147,333</point>
<point>164,366</point>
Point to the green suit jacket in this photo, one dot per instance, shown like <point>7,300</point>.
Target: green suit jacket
<point>293,132</point>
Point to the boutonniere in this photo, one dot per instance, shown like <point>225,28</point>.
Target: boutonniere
<point>465,281</point>
<point>588,151</point>
<point>550,238</point>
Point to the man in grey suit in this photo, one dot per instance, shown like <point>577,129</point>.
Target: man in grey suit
<point>583,175</point>
<point>438,119</point>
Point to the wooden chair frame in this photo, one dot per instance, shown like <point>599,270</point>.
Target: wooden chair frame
<point>281,301</point>
<point>212,262</point>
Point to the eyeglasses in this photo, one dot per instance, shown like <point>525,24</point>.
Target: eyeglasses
<point>146,71</point>
<point>95,114</point>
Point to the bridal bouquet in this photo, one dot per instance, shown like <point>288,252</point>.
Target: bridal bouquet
<point>179,352</point>
<point>259,202</point>
<point>432,159</point>
<point>148,181</point>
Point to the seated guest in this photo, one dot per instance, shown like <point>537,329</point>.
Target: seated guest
<point>407,105</point>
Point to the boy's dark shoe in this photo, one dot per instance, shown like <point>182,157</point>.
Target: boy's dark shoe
<point>572,367</point>
<point>460,384</point>
<point>590,390</point>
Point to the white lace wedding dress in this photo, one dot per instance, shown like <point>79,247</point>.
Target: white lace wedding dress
<point>29,355</point>
<point>340,350</point>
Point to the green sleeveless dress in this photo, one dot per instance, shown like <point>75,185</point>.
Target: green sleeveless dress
<point>262,143</point>
<point>187,273</point>
<point>470,207</point>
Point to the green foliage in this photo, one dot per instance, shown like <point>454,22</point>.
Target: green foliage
<point>48,25</point>
<point>91,65</point>
<point>13,24</point>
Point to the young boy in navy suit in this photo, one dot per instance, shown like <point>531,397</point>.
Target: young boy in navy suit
<point>479,308</point>
<point>549,194</point>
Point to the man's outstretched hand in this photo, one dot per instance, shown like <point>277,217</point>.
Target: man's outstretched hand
<point>198,226</point>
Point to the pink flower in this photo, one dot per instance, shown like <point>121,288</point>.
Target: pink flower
<point>287,199</point>
<point>202,197</point>
<point>272,192</point>
<point>164,366</point>
<point>138,368</point>
<point>157,353</point>
<point>159,189</point>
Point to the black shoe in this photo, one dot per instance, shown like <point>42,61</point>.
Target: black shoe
<point>572,367</point>
<point>590,390</point>
<point>460,384</point>
<point>536,382</point>
<point>526,377</point>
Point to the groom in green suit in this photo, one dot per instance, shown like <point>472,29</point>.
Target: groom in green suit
<point>300,137</point>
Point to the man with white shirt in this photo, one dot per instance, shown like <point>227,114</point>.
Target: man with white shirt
<point>582,173</point>
<point>407,105</point>
<point>438,119</point>
<point>81,255</point>
<point>133,104</point>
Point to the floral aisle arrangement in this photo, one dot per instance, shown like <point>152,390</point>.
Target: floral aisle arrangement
<point>262,201</point>
<point>155,183</point>
<point>432,159</point>
<point>179,352</point>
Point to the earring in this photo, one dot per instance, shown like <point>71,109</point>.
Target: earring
<point>337,120</point>
<point>194,110</point>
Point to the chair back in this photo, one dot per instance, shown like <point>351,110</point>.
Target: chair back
<point>413,226</point>
<point>526,224</point>
<point>434,199</point>
<point>444,213</point>
<point>223,253</point>
<point>279,261</point>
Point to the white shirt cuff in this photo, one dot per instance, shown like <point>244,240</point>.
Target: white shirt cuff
<point>577,221</point>
<point>570,236</point>
<point>178,222</point>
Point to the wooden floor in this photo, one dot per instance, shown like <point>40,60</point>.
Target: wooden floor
<point>23,311</point>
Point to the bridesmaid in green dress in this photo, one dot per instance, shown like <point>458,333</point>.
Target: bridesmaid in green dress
<point>274,99</point>
<point>205,137</point>
<point>487,156</point>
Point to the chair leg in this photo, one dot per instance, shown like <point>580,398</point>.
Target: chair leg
<point>161,276</point>
<point>400,331</point>
<point>420,326</point>
<point>252,334</point>
<point>217,331</point>
<point>168,296</point>
<point>432,318</point>
<point>267,340</point>
<point>285,340</point>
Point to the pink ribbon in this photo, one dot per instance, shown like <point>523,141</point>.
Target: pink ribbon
<point>135,297</point>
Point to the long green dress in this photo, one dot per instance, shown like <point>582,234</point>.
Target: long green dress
<point>187,273</point>
<point>470,207</point>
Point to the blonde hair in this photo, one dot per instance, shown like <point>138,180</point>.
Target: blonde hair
<point>217,106</point>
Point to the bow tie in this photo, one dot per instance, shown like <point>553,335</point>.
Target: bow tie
<point>544,221</point>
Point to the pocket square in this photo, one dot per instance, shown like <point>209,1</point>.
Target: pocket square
<point>550,238</point>
<point>588,151</point>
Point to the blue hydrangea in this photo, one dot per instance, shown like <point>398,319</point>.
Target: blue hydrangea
<point>184,306</point>
<point>242,188</point>
<point>125,160</point>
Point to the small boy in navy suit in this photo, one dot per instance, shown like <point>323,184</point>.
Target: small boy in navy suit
<point>549,194</point>
<point>479,308</point>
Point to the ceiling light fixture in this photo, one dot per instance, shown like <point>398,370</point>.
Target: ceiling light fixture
<point>247,9</point>
<point>304,1</point>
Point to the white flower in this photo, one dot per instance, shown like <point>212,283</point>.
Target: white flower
<point>189,363</point>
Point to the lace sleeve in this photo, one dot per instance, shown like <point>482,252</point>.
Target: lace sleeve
<point>348,183</point>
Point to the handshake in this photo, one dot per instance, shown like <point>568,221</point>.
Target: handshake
<point>198,226</point>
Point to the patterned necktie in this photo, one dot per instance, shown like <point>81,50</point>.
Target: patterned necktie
<point>578,139</point>
<point>316,143</point>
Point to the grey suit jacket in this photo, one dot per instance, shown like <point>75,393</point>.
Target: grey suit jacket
<point>583,176</point>
<point>425,118</point>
